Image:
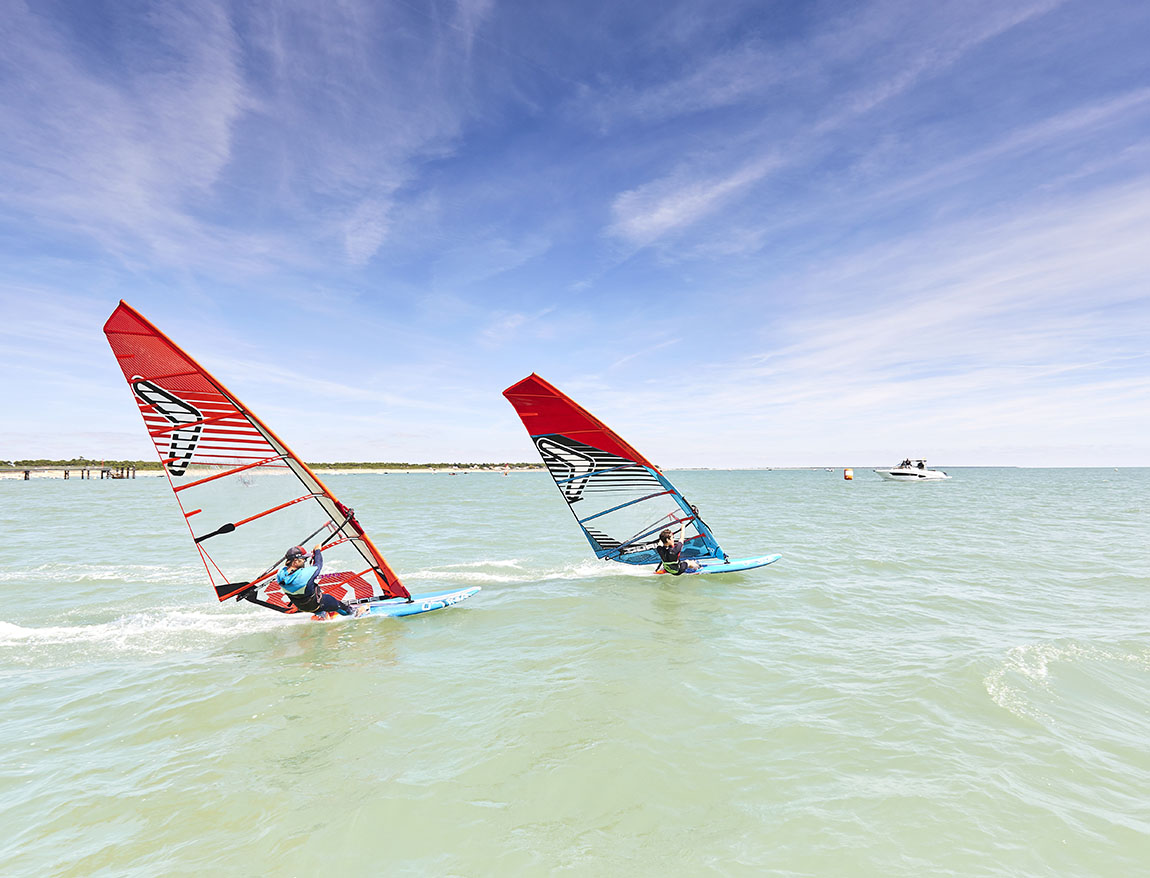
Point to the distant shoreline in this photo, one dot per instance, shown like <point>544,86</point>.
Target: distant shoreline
<point>75,470</point>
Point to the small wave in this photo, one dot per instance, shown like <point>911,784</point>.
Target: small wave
<point>509,562</point>
<point>71,573</point>
<point>597,570</point>
<point>581,570</point>
<point>463,576</point>
<point>1034,660</point>
<point>1032,663</point>
<point>152,633</point>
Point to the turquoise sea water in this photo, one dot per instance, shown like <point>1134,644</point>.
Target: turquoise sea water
<point>936,679</point>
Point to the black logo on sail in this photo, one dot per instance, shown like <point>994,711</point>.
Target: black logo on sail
<point>569,466</point>
<point>182,443</point>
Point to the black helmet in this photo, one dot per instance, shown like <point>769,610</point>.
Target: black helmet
<point>295,552</point>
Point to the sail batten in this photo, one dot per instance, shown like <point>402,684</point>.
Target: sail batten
<point>600,473</point>
<point>623,506</point>
<point>266,461</point>
<point>197,426</point>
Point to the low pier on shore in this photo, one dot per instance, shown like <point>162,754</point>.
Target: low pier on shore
<point>27,473</point>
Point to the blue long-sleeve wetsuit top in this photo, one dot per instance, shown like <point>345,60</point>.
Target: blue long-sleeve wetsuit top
<point>298,581</point>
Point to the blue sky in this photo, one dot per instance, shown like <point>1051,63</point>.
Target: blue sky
<point>743,234</point>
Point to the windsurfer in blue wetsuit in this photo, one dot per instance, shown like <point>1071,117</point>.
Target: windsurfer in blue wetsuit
<point>669,550</point>
<point>298,578</point>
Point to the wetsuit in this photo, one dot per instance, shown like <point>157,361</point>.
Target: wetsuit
<point>670,557</point>
<point>301,589</point>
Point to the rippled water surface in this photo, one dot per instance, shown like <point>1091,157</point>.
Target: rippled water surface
<point>937,679</point>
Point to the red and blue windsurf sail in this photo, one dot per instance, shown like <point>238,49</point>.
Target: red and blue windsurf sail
<point>244,494</point>
<point>620,499</point>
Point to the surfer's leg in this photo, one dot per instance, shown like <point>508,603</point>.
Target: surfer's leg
<point>331,604</point>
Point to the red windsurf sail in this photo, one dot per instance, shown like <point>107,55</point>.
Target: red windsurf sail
<point>620,499</point>
<point>244,494</point>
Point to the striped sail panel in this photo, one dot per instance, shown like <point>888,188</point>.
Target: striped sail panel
<point>244,495</point>
<point>620,499</point>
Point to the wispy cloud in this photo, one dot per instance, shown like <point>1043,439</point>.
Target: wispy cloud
<point>977,327</point>
<point>365,230</point>
<point>121,162</point>
<point>645,352</point>
<point>729,78</point>
<point>503,327</point>
<point>469,17</point>
<point>649,212</point>
<point>951,36</point>
<point>485,256</point>
<point>693,191</point>
<point>1060,129</point>
<point>153,160</point>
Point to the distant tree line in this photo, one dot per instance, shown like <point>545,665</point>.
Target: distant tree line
<point>78,462</point>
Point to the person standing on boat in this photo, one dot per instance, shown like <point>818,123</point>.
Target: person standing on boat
<point>298,578</point>
<point>669,550</point>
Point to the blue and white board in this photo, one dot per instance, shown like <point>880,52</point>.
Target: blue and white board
<point>420,603</point>
<point>733,565</point>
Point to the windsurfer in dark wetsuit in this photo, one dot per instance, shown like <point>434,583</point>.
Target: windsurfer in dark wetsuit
<point>297,578</point>
<point>669,549</point>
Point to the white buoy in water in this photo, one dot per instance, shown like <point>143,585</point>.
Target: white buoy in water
<point>848,474</point>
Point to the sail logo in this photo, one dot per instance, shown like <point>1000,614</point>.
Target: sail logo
<point>569,466</point>
<point>182,442</point>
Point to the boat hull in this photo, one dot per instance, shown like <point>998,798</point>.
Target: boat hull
<point>909,475</point>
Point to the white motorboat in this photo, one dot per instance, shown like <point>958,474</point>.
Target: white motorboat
<point>912,470</point>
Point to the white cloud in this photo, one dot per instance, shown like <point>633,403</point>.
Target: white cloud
<point>1024,328</point>
<point>469,17</point>
<point>1057,130</point>
<point>121,163</point>
<point>927,55</point>
<point>365,230</point>
<point>971,328</point>
<point>897,57</point>
<point>504,327</point>
<point>155,154</point>
<point>654,210</point>
<point>486,255</point>
<point>725,79</point>
<point>645,352</point>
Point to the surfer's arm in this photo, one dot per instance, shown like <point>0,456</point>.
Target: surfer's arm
<point>317,562</point>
